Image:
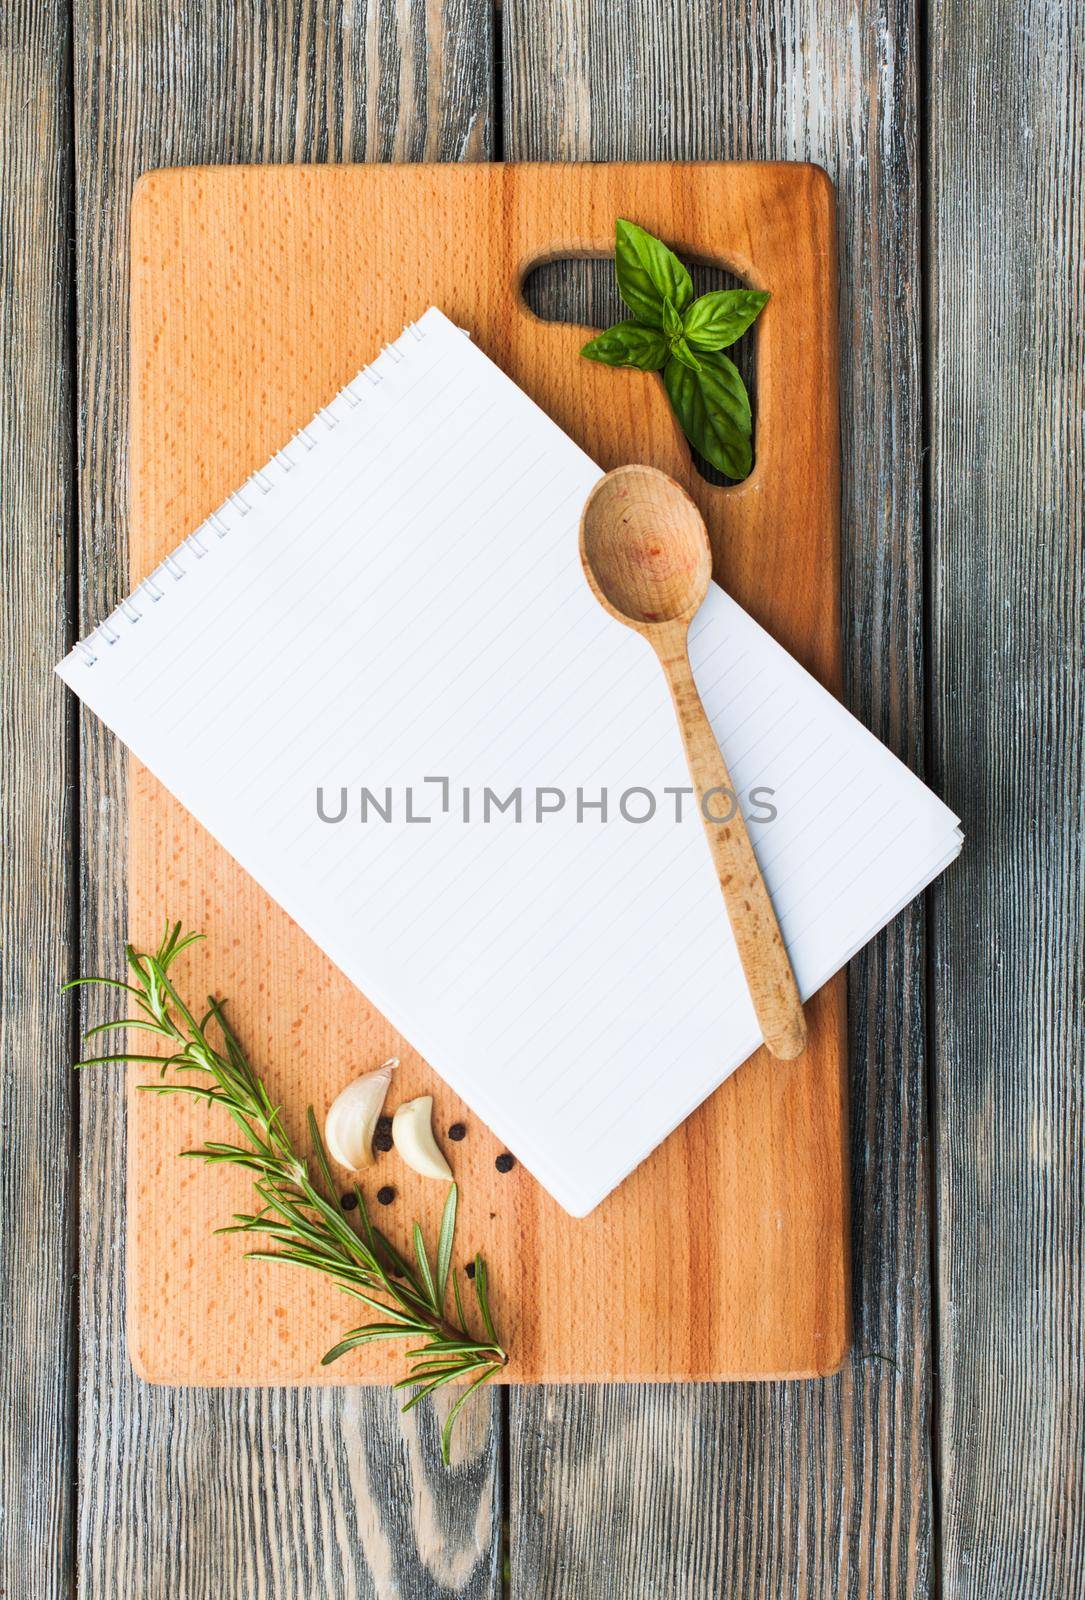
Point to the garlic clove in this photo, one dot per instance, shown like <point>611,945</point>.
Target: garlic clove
<point>412,1135</point>
<point>352,1117</point>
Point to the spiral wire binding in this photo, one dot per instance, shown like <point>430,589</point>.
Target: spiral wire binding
<point>218,523</point>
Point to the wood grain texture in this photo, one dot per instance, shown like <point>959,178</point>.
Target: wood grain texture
<point>814,1489</point>
<point>188,1495</point>
<point>1007,365</point>
<point>277,271</point>
<point>37,904</point>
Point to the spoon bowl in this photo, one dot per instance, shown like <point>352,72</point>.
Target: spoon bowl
<point>644,548</point>
<point>645,553</point>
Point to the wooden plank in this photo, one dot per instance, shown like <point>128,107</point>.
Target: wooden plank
<point>810,1489</point>
<point>186,1493</point>
<point>231,276</point>
<point>37,907</point>
<point>1007,365</point>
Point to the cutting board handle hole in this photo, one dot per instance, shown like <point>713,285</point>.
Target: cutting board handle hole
<point>583,290</point>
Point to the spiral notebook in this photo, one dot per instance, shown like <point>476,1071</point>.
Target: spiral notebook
<point>377,676</point>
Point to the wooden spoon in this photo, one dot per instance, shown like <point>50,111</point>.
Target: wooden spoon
<point>645,552</point>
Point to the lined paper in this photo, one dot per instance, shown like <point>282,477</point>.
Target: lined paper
<point>395,604</point>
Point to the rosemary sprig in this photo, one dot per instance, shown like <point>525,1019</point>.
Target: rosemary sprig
<point>298,1216</point>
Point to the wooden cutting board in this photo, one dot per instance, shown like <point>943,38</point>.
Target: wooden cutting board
<point>256,294</point>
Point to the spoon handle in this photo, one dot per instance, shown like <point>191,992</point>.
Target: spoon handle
<point>760,944</point>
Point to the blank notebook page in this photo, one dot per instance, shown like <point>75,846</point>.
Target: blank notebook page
<point>396,602</point>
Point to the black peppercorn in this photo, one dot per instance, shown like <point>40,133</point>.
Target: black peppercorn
<point>457,1131</point>
<point>505,1162</point>
<point>470,1269</point>
<point>386,1195</point>
<point>384,1124</point>
<point>382,1141</point>
<point>349,1201</point>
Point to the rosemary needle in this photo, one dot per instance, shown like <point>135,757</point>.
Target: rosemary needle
<point>299,1218</point>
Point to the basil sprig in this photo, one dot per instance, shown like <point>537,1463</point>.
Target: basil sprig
<point>683,338</point>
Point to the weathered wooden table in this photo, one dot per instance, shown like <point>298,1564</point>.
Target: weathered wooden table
<point>947,1456</point>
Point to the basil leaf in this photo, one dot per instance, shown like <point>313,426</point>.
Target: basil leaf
<point>672,322</point>
<point>714,409</point>
<point>628,344</point>
<point>681,351</point>
<point>724,373</point>
<point>717,320</point>
<point>648,274</point>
